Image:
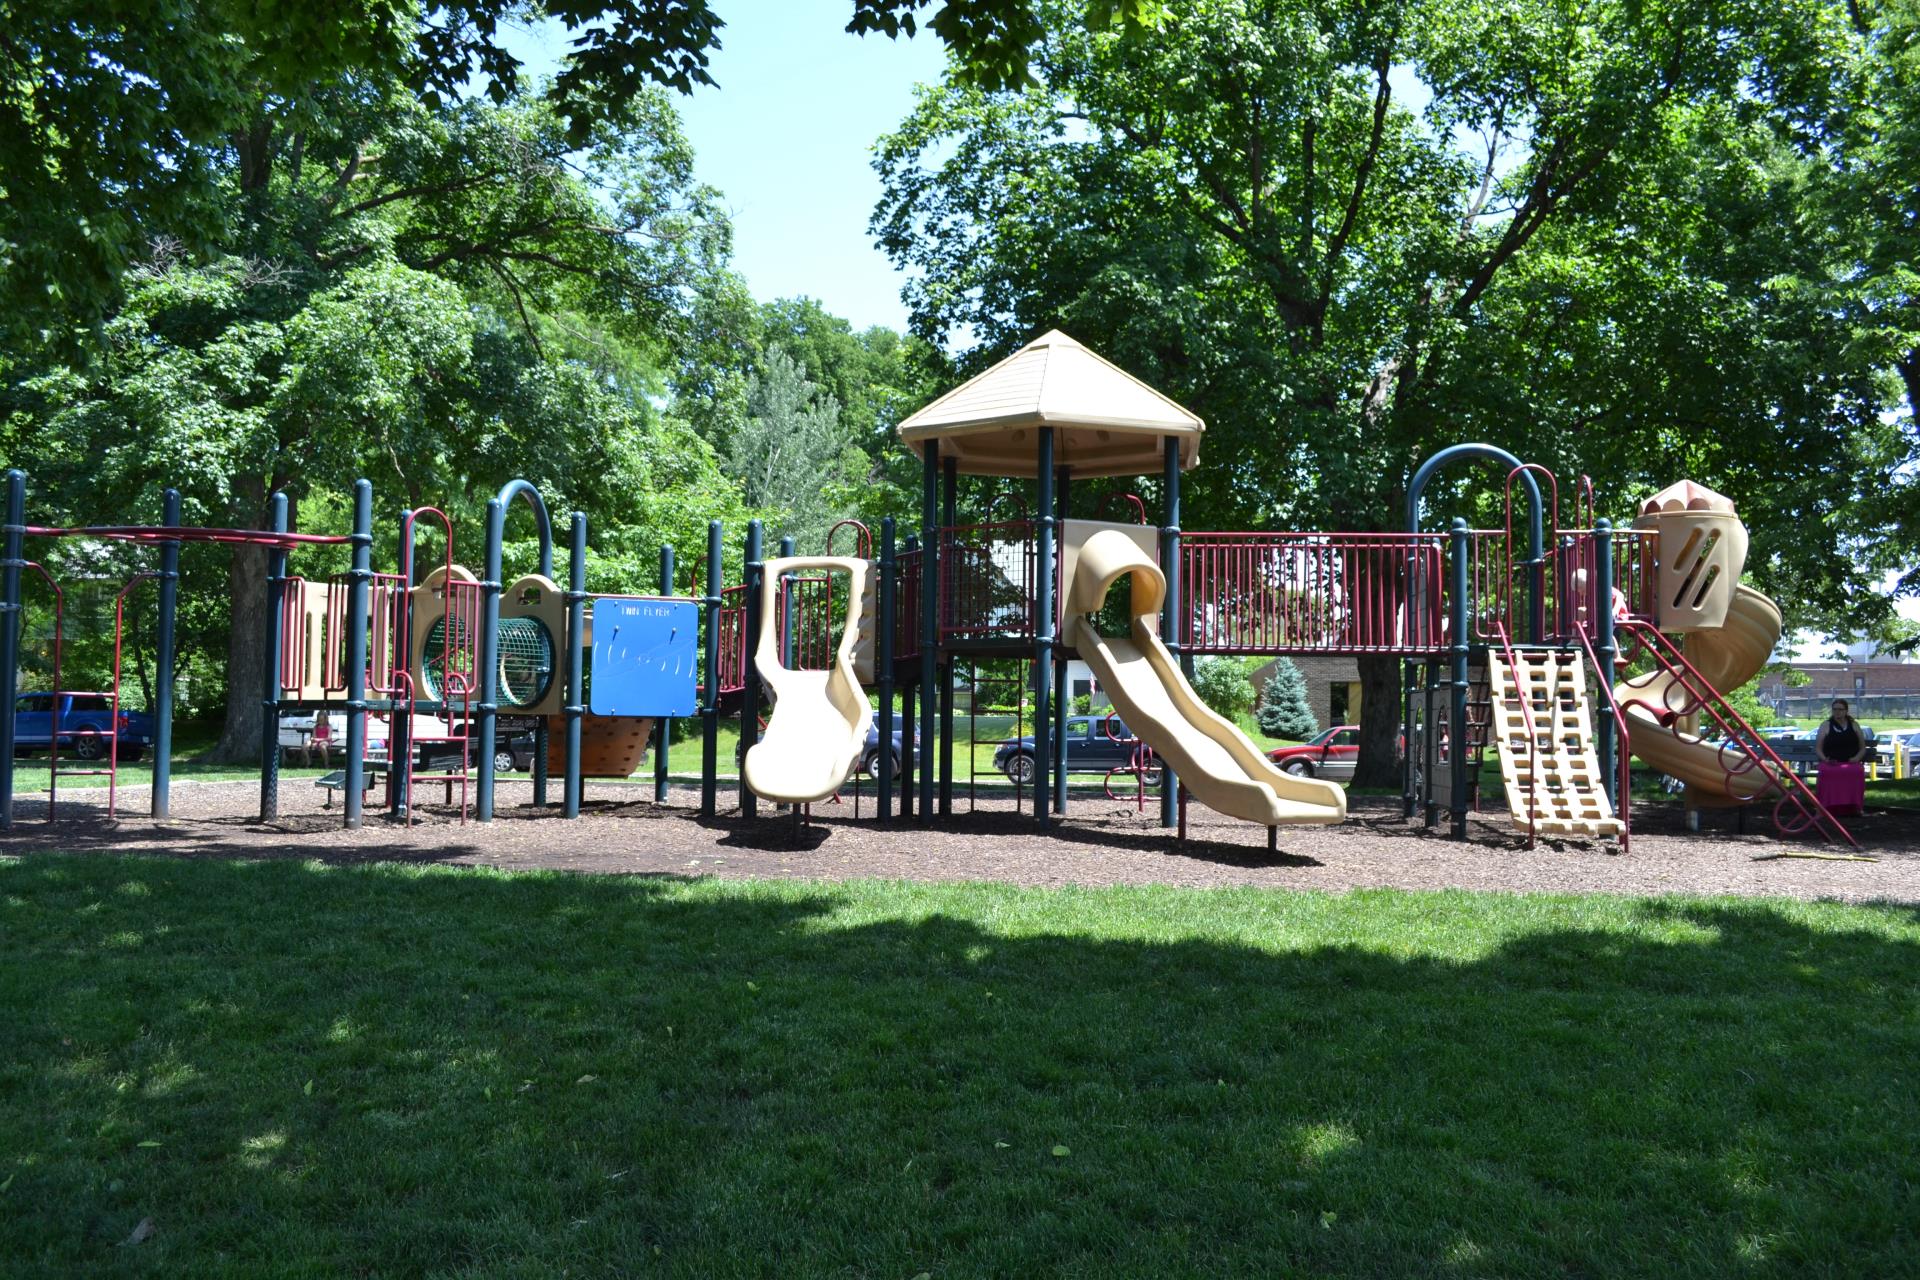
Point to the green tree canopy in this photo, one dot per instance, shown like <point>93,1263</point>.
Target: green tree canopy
<point>1351,234</point>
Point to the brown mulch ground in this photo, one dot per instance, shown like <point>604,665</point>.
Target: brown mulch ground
<point>1100,843</point>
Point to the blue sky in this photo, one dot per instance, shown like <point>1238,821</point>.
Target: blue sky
<point>787,137</point>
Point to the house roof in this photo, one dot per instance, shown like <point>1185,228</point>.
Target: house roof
<point>1105,421</point>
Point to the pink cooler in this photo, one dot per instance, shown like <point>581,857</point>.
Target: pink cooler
<point>1841,787</point>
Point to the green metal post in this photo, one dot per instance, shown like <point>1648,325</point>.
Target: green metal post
<point>750,694</point>
<point>270,673</point>
<point>357,576</point>
<point>1043,634</point>
<point>575,659</point>
<point>910,761</point>
<point>15,535</point>
<point>710,707</point>
<point>663,730</point>
<point>929,619</point>
<point>950,475</point>
<point>1606,648</point>
<point>163,662</point>
<point>400,716</point>
<point>1063,694</point>
<point>883,666</point>
<point>1457,754</point>
<point>1170,613</point>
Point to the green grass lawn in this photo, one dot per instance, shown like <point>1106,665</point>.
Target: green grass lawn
<point>298,1070</point>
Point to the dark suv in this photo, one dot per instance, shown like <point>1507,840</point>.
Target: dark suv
<point>1090,749</point>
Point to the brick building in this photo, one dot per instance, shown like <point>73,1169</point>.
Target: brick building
<point>1875,686</point>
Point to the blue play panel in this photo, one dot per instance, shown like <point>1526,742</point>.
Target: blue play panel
<point>645,658</point>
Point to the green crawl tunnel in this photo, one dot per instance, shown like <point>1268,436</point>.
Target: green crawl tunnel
<point>525,656</point>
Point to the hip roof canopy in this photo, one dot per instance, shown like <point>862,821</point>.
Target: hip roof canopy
<point>1105,421</point>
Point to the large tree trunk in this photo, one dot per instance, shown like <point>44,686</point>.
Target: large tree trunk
<point>246,641</point>
<point>1379,763</point>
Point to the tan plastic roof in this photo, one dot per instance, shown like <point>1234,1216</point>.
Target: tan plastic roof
<point>1685,495</point>
<point>1105,421</point>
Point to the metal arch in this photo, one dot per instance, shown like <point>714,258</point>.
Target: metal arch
<point>488,706</point>
<point>497,523</point>
<point>1491,453</point>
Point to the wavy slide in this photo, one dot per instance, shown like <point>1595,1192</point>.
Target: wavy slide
<point>1218,764</point>
<point>819,724</point>
<point>1728,657</point>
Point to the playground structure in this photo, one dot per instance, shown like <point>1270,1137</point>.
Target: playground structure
<point>1513,639</point>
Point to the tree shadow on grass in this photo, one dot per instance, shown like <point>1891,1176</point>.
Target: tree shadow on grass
<point>301,1068</point>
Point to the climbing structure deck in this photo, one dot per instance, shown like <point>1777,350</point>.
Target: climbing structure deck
<point>1544,731</point>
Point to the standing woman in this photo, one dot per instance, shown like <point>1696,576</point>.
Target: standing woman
<point>1841,746</point>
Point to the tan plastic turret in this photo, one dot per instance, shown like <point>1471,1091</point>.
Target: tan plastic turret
<point>1701,551</point>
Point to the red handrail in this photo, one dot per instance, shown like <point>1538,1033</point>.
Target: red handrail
<point>1735,730</point>
<point>53,724</point>
<point>1622,745</point>
<point>113,734</point>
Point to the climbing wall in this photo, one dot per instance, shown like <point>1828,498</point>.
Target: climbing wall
<point>1558,775</point>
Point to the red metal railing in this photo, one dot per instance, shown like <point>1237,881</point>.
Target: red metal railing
<point>1742,751</point>
<point>53,720</point>
<point>113,735</point>
<point>911,568</point>
<point>808,621</point>
<point>1312,592</point>
<point>1139,762</point>
<point>1622,746</point>
<point>731,620</point>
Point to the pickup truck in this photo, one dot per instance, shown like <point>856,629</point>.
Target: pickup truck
<point>86,726</point>
<point>1090,749</point>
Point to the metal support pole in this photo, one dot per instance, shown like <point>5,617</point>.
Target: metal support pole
<point>1606,648</point>
<point>1410,689</point>
<point>788,631</point>
<point>163,661</point>
<point>710,709</point>
<point>489,660</point>
<point>1043,634</point>
<point>400,712</point>
<point>910,711</point>
<point>663,727</point>
<point>1063,693</point>
<point>1170,608</point>
<point>1430,744</point>
<point>929,617</point>
<point>270,676</point>
<point>1458,642</point>
<point>15,535</point>
<point>574,660</point>
<point>950,473</point>
<point>883,666</point>
<point>749,641</point>
<point>357,576</point>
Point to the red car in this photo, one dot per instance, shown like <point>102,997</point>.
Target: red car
<point>1330,754</point>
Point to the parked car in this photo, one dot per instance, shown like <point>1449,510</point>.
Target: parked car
<point>1330,754</point>
<point>1090,749</point>
<point>513,747</point>
<point>86,726</point>
<point>870,754</point>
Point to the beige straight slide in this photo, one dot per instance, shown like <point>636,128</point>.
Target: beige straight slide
<point>819,725</point>
<point>1217,763</point>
